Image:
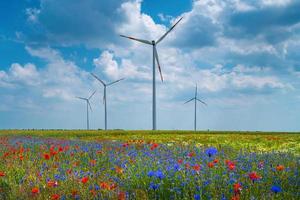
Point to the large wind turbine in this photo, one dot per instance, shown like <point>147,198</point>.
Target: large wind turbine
<point>87,108</point>
<point>195,100</point>
<point>155,57</point>
<point>104,96</point>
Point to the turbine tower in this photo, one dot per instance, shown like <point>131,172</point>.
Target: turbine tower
<point>88,105</point>
<point>155,57</point>
<point>104,96</point>
<point>195,100</point>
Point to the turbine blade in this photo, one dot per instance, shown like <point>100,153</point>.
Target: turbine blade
<point>81,98</point>
<point>92,95</point>
<point>202,102</point>
<point>96,77</point>
<point>157,60</point>
<point>139,40</point>
<point>89,105</point>
<point>162,37</point>
<point>115,81</point>
<point>189,100</point>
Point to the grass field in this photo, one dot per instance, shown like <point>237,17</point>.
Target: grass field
<point>149,165</point>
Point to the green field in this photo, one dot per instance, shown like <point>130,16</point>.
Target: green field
<point>78,164</point>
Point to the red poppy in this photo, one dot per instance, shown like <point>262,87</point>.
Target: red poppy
<point>154,146</point>
<point>121,196</point>
<point>46,156</point>
<point>254,176</point>
<point>84,180</point>
<point>216,161</point>
<point>231,166</point>
<point>191,154</point>
<point>196,167</point>
<point>55,196</point>
<point>2,174</point>
<point>112,186</point>
<point>237,187</point>
<point>210,165</point>
<point>125,144</point>
<point>104,185</point>
<point>60,149</point>
<point>52,183</point>
<point>180,161</point>
<point>35,190</point>
<point>280,168</point>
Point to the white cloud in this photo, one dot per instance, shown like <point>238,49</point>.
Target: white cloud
<point>113,70</point>
<point>32,14</point>
<point>25,74</point>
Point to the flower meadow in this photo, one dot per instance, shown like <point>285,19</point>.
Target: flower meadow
<point>62,168</point>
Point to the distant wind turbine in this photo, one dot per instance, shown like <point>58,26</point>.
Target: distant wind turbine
<point>195,99</point>
<point>88,105</point>
<point>155,57</point>
<point>104,96</point>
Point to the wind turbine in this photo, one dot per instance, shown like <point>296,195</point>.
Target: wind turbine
<point>88,105</point>
<point>104,96</point>
<point>155,57</point>
<point>195,100</point>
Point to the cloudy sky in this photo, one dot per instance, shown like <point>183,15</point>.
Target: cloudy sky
<point>244,56</point>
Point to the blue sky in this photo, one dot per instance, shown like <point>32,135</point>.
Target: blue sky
<point>244,56</point>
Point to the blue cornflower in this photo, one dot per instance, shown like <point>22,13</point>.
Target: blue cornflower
<point>197,197</point>
<point>276,189</point>
<point>211,151</point>
<point>159,174</point>
<point>154,186</point>
<point>151,173</point>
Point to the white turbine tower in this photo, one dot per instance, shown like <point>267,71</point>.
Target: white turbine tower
<point>87,108</point>
<point>195,100</point>
<point>104,96</point>
<point>155,57</point>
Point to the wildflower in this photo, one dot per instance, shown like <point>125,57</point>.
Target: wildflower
<point>231,166</point>
<point>125,145</point>
<point>261,165</point>
<point>104,185</point>
<point>196,167</point>
<point>35,190</point>
<point>55,196</point>
<point>279,167</point>
<point>2,174</point>
<point>154,146</point>
<point>216,161</point>
<point>210,165</point>
<point>254,176</point>
<point>197,197</point>
<point>93,162</point>
<point>121,196</point>
<point>154,186</point>
<point>180,161</point>
<point>119,170</point>
<point>46,156</point>
<point>52,183</point>
<point>211,151</point>
<point>159,174</point>
<point>84,180</point>
<point>191,154</point>
<point>276,189</point>
<point>237,187</point>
